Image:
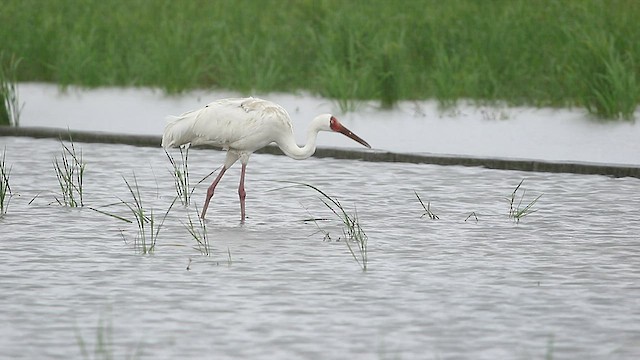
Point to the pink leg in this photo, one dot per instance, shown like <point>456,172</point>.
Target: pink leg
<point>211,190</point>
<point>242,193</point>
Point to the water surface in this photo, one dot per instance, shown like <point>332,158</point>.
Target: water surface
<point>564,280</point>
<point>412,127</point>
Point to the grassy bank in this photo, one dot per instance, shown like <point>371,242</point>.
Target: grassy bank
<point>544,53</point>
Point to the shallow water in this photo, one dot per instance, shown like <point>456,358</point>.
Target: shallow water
<point>564,280</point>
<point>411,127</point>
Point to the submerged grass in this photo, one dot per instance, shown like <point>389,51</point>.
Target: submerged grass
<point>103,347</point>
<point>5,188</point>
<point>10,107</point>
<point>70,170</point>
<point>546,53</point>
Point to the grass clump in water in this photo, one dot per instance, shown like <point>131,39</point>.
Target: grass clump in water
<point>355,237</point>
<point>427,209</point>
<point>10,107</point>
<point>70,170</point>
<point>198,232</point>
<point>180,173</point>
<point>5,189</point>
<point>148,227</point>
<point>516,211</point>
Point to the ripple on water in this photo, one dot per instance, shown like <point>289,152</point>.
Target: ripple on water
<point>485,289</point>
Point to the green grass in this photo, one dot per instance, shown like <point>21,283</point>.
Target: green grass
<point>198,232</point>
<point>516,209</point>
<point>5,189</point>
<point>354,235</point>
<point>180,174</point>
<point>148,226</point>
<point>70,168</point>
<point>10,107</point>
<point>543,53</point>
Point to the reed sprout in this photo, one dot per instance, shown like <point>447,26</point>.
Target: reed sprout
<point>5,188</point>
<point>70,170</point>
<point>516,210</point>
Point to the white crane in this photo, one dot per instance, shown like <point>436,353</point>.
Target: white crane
<point>242,126</point>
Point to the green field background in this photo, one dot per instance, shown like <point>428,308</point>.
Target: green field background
<point>524,52</point>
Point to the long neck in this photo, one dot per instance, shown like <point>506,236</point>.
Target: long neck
<point>291,149</point>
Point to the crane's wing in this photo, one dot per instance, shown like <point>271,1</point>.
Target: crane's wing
<point>244,124</point>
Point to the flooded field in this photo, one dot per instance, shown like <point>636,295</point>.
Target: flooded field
<point>563,282</point>
<point>566,135</point>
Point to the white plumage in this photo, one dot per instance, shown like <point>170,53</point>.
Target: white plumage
<point>242,126</point>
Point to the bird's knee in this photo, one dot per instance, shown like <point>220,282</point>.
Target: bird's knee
<point>210,192</point>
<point>242,193</point>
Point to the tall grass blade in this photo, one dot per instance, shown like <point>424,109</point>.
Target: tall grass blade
<point>110,214</point>
<point>427,209</point>
<point>69,171</point>
<point>180,173</point>
<point>5,188</point>
<point>352,229</point>
<point>198,232</point>
<point>10,107</point>
<point>148,227</point>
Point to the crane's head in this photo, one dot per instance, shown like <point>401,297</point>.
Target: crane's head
<point>335,125</point>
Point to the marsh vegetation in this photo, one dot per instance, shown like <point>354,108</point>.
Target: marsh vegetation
<point>568,53</point>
